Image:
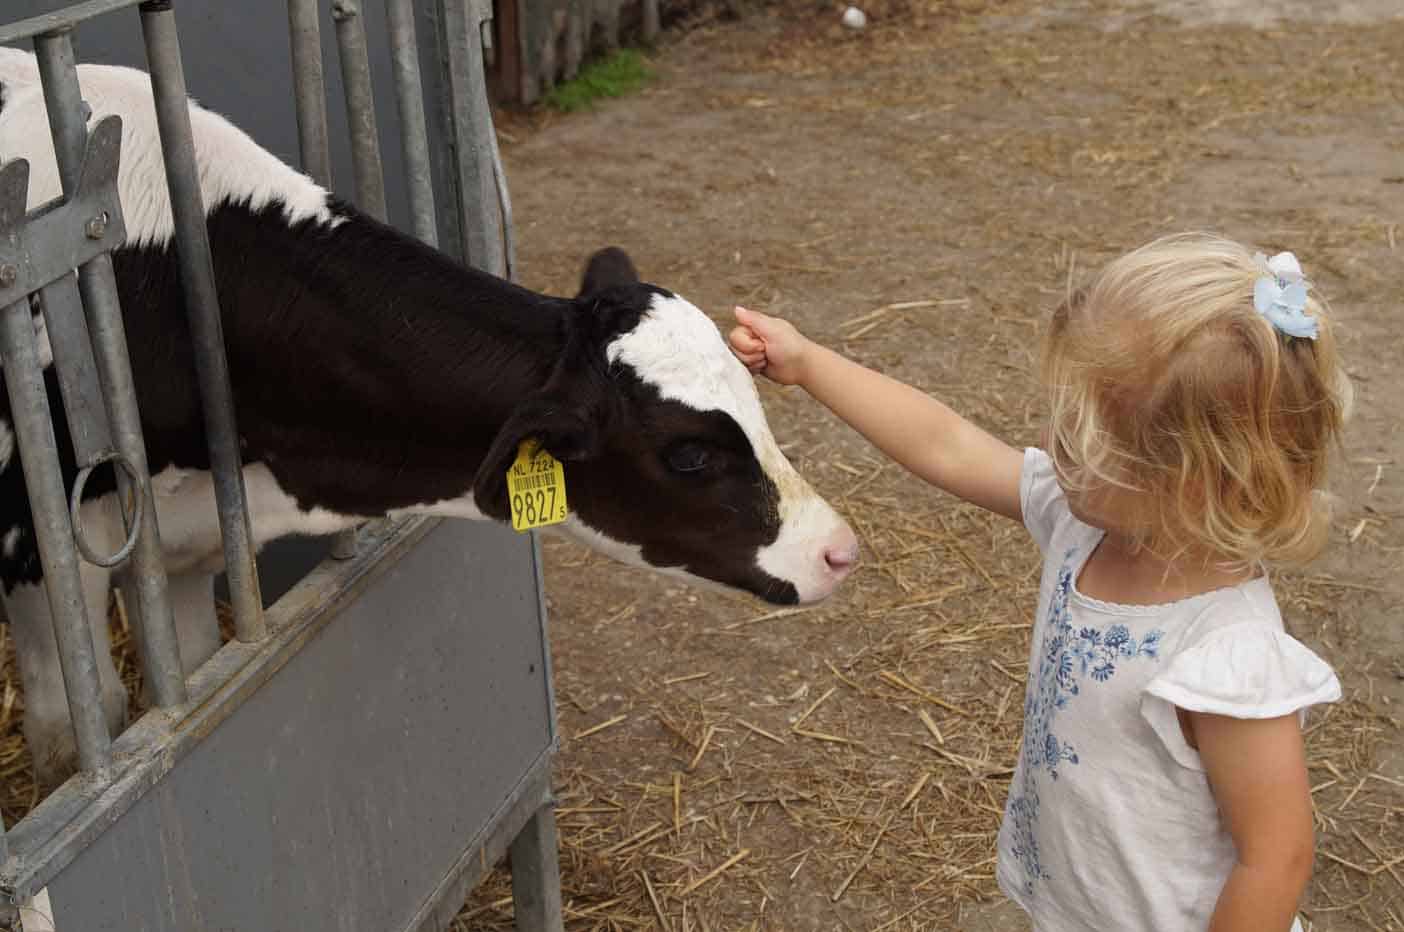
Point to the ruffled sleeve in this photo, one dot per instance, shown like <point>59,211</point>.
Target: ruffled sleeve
<point>1244,670</point>
<point>1040,497</point>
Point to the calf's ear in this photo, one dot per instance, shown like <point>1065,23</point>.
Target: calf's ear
<point>568,428</point>
<point>607,268</point>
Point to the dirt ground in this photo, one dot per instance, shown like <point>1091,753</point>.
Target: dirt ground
<point>725,766</point>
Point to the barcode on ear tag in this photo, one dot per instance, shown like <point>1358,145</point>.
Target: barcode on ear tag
<point>536,489</point>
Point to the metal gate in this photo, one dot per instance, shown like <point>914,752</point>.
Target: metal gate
<point>360,754</point>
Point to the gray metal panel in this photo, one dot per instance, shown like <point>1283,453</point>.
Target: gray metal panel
<point>356,774</point>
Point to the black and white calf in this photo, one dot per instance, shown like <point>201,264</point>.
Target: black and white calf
<point>374,376</point>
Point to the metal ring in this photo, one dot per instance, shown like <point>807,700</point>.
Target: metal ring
<point>134,525</point>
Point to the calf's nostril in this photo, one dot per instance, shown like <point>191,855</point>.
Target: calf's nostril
<point>841,559</point>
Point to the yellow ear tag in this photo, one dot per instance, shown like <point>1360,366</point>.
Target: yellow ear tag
<point>536,488</point>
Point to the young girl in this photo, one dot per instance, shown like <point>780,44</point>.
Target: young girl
<point>1195,399</point>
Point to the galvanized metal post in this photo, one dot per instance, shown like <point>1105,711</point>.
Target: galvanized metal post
<point>481,11</point>
<point>504,205</point>
<point>486,210</point>
<point>360,107</point>
<point>106,338</point>
<point>68,331</point>
<point>414,136</point>
<point>309,90</point>
<point>479,200</point>
<point>366,167</point>
<point>536,875</point>
<point>48,500</point>
<point>202,307</point>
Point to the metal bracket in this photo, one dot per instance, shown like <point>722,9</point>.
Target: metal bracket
<point>40,249</point>
<point>14,188</point>
<point>480,11</point>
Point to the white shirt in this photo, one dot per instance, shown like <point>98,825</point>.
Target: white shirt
<point>1110,822</point>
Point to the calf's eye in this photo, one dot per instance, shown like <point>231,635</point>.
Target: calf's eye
<point>687,457</point>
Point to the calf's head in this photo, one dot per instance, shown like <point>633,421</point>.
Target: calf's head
<point>669,461</point>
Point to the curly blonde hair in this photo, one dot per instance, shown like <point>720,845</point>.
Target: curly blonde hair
<point>1167,383</point>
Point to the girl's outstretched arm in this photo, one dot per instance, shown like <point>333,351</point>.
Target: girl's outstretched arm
<point>1257,770</point>
<point>911,427</point>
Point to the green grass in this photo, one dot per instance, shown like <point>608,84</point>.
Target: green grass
<point>621,73</point>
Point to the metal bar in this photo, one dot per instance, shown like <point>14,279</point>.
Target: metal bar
<point>499,174</point>
<point>542,612</point>
<point>309,90</point>
<point>360,108</point>
<point>202,307</point>
<point>76,369</point>
<point>504,204</point>
<point>60,19</point>
<point>366,168</point>
<point>145,578</point>
<point>43,479</point>
<point>471,118</point>
<point>106,348</point>
<point>536,875</point>
<point>68,330</point>
<point>414,136</point>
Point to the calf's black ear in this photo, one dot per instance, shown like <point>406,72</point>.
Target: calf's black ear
<point>607,268</point>
<point>570,429</point>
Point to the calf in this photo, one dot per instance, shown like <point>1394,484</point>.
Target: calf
<point>374,376</point>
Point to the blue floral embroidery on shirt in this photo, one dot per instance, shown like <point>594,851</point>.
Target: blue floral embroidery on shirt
<point>1067,658</point>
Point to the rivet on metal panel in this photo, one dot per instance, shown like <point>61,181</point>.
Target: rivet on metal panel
<point>97,227</point>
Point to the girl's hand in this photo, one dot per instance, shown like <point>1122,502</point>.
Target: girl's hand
<point>770,346</point>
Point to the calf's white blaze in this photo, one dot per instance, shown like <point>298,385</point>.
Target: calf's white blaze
<point>680,352</point>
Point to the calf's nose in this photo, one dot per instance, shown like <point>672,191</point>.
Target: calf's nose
<point>841,554</point>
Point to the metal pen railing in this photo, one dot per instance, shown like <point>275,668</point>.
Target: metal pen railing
<point>202,308</point>
<point>105,337</point>
<point>310,90</point>
<point>414,134</point>
<point>40,250</point>
<point>84,327</point>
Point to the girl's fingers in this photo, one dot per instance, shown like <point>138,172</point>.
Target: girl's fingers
<point>761,326</point>
<point>744,341</point>
<point>751,320</point>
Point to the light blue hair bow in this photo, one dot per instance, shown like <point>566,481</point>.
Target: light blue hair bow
<point>1281,295</point>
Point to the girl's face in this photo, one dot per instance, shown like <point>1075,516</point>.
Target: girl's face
<point>1108,507</point>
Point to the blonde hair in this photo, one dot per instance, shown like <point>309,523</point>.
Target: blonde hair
<point>1165,381</point>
